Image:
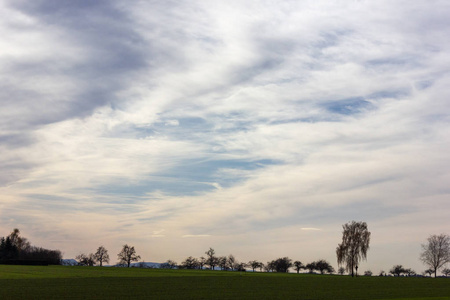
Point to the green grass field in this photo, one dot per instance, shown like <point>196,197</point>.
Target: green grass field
<point>58,282</point>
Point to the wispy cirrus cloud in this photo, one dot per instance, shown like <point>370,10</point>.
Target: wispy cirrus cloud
<point>251,123</point>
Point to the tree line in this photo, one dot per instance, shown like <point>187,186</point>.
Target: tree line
<point>17,250</point>
<point>350,252</point>
<point>126,256</point>
<point>229,263</point>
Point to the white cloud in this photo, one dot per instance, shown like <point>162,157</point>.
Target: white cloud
<point>250,122</point>
<point>195,235</point>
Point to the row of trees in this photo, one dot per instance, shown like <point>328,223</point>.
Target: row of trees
<point>353,248</point>
<point>15,249</point>
<point>126,256</point>
<point>229,263</point>
<point>226,263</point>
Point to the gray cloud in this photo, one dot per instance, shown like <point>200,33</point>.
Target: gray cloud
<point>243,121</point>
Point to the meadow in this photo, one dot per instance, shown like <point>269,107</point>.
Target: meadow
<point>62,282</point>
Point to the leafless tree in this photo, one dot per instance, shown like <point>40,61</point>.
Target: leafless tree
<point>354,246</point>
<point>127,255</point>
<point>311,267</point>
<point>281,265</point>
<point>101,255</point>
<point>211,259</point>
<point>323,266</point>
<point>222,262</point>
<point>231,262</point>
<point>397,270</point>
<point>436,253</point>
<point>298,266</point>
<point>410,272</point>
<point>254,264</point>
<point>170,264</point>
<point>201,262</point>
<point>86,260</point>
<point>190,263</point>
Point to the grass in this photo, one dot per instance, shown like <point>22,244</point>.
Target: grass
<point>58,282</point>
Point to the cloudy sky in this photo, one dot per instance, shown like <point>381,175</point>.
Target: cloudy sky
<point>257,128</point>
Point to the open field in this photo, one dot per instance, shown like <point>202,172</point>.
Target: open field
<point>58,282</point>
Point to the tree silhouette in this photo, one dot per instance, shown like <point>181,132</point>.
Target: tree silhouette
<point>222,262</point>
<point>298,266</point>
<point>254,264</point>
<point>231,262</point>
<point>281,265</point>
<point>354,246</point>
<point>127,255</point>
<point>190,263</point>
<point>211,259</point>
<point>18,241</point>
<point>410,272</point>
<point>86,259</point>
<point>323,266</point>
<point>311,267</point>
<point>15,249</point>
<point>101,255</point>
<point>201,262</point>
<point>436,253</point>
<point>397,270</point>
<point>169,264</point>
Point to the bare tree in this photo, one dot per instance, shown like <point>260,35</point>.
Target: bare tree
<point>190,263</point>
<point>261,266</point>
<point>127,255</point>
<point>368,273</point>
<point>298,266</point>
<point>254,264</point>
<point>281,265</point>
<point>436,253</point>
<point>323,266</point>
<point>211,259</point>
<point>170,264</point>
<point>446,272</point>
<point>241,267</point>
<point>270,266</point>
<point>354,246</point>
<point>201,262</point>
<point>102,255</point>
<point>86,260</point>
<point>410,272</point>
<point>397,270</point>
<point>341,271</point>
<point>231,262</point>
<point>311,267</point>
<point>222,262</point>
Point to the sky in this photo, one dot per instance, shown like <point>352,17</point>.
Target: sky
<point>257,128</point>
